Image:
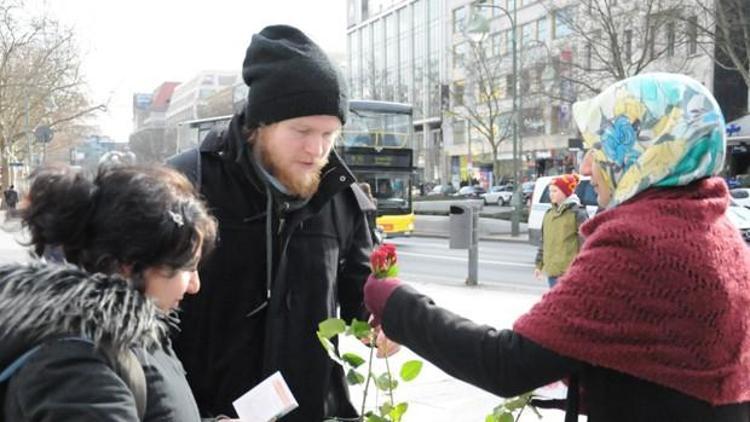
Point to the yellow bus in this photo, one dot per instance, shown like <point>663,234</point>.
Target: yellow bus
<point>376,144</point>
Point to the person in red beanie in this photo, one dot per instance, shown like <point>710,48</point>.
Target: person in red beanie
<point>649,322</point>
<point>560,239</point>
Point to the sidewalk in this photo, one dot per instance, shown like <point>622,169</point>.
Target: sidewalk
<point>437,397</point>
<point>11,236</point>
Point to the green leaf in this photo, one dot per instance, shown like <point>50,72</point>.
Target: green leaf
<point>490,418</point>
<point>331,327</point>
<point>385,383</point>
<point>360,329</point>
<point>386,408</point>
<point>375,418</point>
<point>354,360</point>
<point>410,369</point>
<point>353,377</point>
<point>328,346</point>
<point>398,412</point>
<point>505,417</point>
<point>392,272</point>
<point>498,410</point>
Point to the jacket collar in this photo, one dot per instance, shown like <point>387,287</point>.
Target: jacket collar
<point>41,302</point>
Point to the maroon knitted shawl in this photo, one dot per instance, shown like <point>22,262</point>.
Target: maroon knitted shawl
<point>660,291</point>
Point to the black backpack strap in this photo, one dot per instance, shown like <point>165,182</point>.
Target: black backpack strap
<point>125,365</point>
<point>188,163</point>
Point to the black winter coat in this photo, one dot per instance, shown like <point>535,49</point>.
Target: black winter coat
<point>71,380</point>
<point>507,364</point>
<point>233,336</point>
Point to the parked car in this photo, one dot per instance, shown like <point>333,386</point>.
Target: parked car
<point>540,203</point>
<point>442,190</point>
<point>470,192</point>
<point>499,195</point>
<point>740,217</point>
<point>741,196</point>
<point>527,189</point>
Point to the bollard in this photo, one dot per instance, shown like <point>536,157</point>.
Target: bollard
<point>464,227</point>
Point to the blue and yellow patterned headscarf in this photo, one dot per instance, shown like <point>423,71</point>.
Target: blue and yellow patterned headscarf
<point>652,130</point>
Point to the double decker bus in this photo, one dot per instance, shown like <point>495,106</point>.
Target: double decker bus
<point>376,144</point>
<point>191,133</point>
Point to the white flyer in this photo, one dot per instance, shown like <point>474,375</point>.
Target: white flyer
<point>267,401</point>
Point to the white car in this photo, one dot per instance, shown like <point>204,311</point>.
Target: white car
<point>741,196</point>
<point>540,203</point>
<point>740,217</point>
<point>499,195</point>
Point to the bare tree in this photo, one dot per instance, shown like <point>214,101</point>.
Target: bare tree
<point>722,30</point>
<point>480,99</point>
<point>40,81</point>
<point>152,145</point>
<point>617,39</point>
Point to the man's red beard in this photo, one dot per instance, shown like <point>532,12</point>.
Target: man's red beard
<point>300,184</point>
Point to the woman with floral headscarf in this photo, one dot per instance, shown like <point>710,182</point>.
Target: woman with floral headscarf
<point>650,322</point>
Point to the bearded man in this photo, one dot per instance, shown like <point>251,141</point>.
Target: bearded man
<point>293,242</point>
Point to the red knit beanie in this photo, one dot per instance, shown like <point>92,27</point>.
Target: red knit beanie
<point>566,183</point>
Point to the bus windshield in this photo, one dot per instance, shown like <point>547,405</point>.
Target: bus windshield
<point>367,128</point>
<point>391,191</point>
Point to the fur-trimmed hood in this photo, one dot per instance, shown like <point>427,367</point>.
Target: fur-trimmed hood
<point>41,301</point>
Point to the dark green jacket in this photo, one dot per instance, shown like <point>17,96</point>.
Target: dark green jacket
<point>560,240</point>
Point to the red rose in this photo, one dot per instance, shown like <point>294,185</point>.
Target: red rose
<point>383,261</point>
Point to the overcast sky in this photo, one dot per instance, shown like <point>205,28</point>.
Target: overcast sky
<point>133,46</point>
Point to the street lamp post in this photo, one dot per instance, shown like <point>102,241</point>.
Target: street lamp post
<point>515,121</point>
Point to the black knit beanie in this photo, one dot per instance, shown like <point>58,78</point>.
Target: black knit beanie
<point>290,76</point>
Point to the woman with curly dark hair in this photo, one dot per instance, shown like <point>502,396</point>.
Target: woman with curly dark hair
<point>135,237</point>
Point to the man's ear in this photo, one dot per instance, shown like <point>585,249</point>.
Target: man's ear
<point>252,136</point>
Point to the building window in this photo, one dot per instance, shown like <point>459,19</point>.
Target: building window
<point>458,93</point>
<point>692,35</point>
<point>541,30</point>
<point>496,44</point>
<point>459,55</point>
<point>459,131</point>
<point>459,20</point>
<point>527,33</point>
<point>502,46</point>
<point>628,45</point>
<point>588,51</point>
<point>563,21</point>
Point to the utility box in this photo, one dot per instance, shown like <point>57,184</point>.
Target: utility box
<point>461,226</point>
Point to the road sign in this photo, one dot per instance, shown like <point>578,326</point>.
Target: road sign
<point>43,134</point>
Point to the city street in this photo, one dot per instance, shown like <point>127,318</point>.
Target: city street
<point>505,265</point>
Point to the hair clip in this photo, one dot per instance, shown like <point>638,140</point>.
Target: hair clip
<point>177,218</point>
